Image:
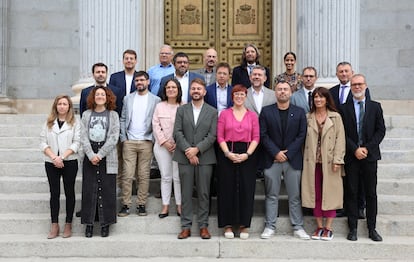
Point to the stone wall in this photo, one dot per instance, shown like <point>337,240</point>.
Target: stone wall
<point>43,51</point>
<point>387,47</point>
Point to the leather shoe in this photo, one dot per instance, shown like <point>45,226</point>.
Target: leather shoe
<point>89,231</point>
<point>340,213</point>
<point>352,235</point>
<point>361,213</point>
<point>373,234</point>
<point>185,233</point>
<point>161,215</point>
<point>104,231</point>
<point>204,234</point>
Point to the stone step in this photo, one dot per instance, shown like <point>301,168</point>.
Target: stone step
<point>37,169</point>
<point>39,223</point>
<point>166,245</point>
<point>39,203</point>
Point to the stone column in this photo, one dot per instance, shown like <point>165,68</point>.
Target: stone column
<point>154,23</point>
<point>284,32</point>
<point>328,33</point>
<point>107,29</point>
<point>3,45</point>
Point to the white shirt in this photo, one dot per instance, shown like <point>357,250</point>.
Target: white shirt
<point>137,127</point>
<point>185,85</point>
<point>258,98</point>
<point>128,83</point>
<point>196,112</point>
<point>306,91</point>
<point>221,98</point>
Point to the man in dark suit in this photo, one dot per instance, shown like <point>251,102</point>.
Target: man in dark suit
<point>364,129</point>
<point>341,94</point>
<point>219,93</point>
<point>282,134</point>
<point>209,69</point>
<point>100,73</point>
<point>124,79</point>
<point>185,77</point>
<point>250,59</point>
<point>195,134</point>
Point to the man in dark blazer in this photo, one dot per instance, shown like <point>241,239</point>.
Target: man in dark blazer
<point>250,59</point>
<point>100,73</point>
<point>220,102</point>
<point>185,77</point>
<point>195,134</point>
<point>124,79</point>
<point>364,129</point>
<point>282,134</point>
<point>209,69</point>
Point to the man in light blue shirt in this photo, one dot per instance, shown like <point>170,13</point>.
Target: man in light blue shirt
<point>158,71</point>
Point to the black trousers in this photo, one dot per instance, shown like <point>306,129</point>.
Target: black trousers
<point>68,173</point>
<point>367,171</point>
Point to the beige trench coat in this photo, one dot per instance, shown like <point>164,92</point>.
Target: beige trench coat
<point>332,151</point>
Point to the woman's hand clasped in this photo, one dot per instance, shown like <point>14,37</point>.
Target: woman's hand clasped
<point>237,158</point>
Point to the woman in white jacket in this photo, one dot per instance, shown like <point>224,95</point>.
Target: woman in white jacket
<point>60,143</point>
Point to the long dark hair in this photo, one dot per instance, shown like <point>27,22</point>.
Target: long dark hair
<point>324,92</point>
<point>164,91</point>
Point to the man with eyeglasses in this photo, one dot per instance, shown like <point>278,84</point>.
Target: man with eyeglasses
<point>303,97</point>
<point>158,71</point>
<point>181,73</point>
<point>364,130</point>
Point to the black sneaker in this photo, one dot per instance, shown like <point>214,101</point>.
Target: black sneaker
<point>141,210</point>
<point>124,211</point>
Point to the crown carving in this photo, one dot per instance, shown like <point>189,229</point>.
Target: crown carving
<point>245,7</point>
<point>190,7</point>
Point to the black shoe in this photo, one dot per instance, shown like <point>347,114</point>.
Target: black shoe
<point>89,231</point>
<point>361,213</point>
<point>124,211</point>
<point>158,194</point>
<point>104,231</point>
<point>352,235</point>
<point>373,234</point>
<point>141,210</point>
<point>259,174</point>
<point>161,215</point>
<point>78,214</point>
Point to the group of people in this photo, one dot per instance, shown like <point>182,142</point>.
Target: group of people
<point>324,143</point>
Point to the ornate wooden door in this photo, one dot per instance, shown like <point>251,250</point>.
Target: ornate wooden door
<point>192,26</point>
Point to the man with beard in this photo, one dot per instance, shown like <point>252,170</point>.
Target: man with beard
<point>181,64</point>
<point>250,59</point>
<point>136,137</point>
<point>195,134</point>
<point>364,130</point>
<point>282,133</point>
<point>209,69</point>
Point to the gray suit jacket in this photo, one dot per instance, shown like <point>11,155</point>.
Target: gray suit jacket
<point>269,98</point>
<point>299,99</point>
<point>202,135</point>
<point>126,115</point>
<point>202,72</point>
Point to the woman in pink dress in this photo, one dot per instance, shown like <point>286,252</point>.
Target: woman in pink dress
<point>238,136</point>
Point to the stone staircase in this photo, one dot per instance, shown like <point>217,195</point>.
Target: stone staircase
<point>25,219</point>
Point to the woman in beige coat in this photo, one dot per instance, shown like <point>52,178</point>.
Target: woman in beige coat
<point>323,160</point>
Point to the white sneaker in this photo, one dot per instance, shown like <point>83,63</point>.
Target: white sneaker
<point>267,233</point>
<point>300,233</point>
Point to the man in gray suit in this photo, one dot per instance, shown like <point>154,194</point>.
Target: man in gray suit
<point>195,134</point>
<point>259,96</point>
<point>209,69</point>
<point>136,137</point>
<point>303,97</point>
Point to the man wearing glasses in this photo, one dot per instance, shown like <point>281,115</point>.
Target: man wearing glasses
<point>303,97</point>
<point>158,71</point>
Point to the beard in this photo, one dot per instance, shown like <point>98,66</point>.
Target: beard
<point>141,88</point>
<point>358,94</point>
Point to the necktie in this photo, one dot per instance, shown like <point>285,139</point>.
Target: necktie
<point>250,68</point>
<point>341,95</point>
<point>310,99</point>
<point>361,120</point>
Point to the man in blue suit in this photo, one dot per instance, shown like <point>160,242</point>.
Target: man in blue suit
<point>219,93</point>
<point>124,79</point>
<point>303,97</point>
<point>185,77</point>
<point>282,133</point>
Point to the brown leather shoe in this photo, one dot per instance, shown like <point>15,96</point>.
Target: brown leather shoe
<point>204,234</point>
<point>185,233</point>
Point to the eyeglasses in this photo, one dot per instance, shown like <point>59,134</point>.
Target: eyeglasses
<point>165,53</point>
<point>357,84</point>
<point>239,94</point>
<point>308,76</point>
<point>181,62</point>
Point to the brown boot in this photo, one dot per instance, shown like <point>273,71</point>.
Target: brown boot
<point>54,231</point>
<point>67,232</point>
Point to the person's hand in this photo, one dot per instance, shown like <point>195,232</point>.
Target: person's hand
<point>336,167</point>
<point>191,152</point>
<point>95,160</point>
<point>194,161</point>
<point>361,153</point>
<point>170,146</point>
<point>58,162</point>
<point>281,156</point>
